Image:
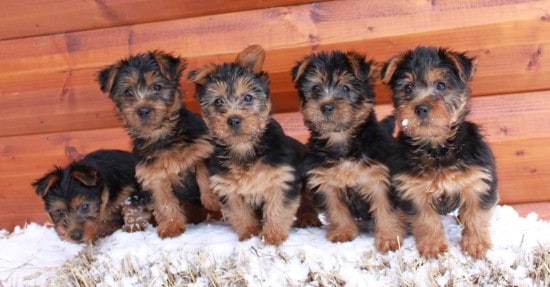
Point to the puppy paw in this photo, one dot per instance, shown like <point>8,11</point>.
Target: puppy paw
<point>171,229</point>
<point>274,237</point>
<point>210,201</point>
<point>430,248</point>
<point>343,234</point>
<point>249,232</point>
<point>307,221</point>
<point>387,243</point>
<point>475,246</point>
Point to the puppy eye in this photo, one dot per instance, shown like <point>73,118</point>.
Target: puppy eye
<point>248,98</point>
<point>156,88</point>
<point>58,212</point>
<point>128,93</point>
<point>316,89</point>
<point>84,207</point>
<point>408,88</point>
<point>440,86</point>
<point>345,89</point>
<point>218,102</point>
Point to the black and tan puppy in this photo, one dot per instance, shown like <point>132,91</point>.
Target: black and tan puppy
<point>348,152</point>
<point>95,196</point>
<point>170,142</point>
<point>444,162</point>
<point>254,169</point>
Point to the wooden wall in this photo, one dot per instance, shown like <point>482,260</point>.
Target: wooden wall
<point>52,109</point>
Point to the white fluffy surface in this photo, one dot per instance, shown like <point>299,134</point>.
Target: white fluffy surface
<point>210,254</point>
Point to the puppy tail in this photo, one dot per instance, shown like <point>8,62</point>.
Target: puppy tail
<point>388,124</point>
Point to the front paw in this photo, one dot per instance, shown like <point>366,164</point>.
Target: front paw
<point>432,246</point>
<point>170,229</point>
<point>475,246</point>
<point>249,232</point>
<point>343,233</point>
<point>387,243</point>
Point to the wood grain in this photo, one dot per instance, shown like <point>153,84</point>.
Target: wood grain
<point>28,18</point>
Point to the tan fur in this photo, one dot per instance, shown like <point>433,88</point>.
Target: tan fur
<point>259,184</point>
<point>427,227</point>
<point>307,215</point>
<point>371,180</point>
<point>251,58</point>
<point>391,67</point>
<point>167,167</point>
<point>208,197</point>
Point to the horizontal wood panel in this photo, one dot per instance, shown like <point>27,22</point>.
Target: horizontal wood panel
<point>27,17</point>
<point>51,79</point>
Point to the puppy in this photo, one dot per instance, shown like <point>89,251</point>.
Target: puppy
<point>93,197</point>
<point>444,163</point>
<point>349,154</point>
<point>255,167</point>
<point>170,142</point>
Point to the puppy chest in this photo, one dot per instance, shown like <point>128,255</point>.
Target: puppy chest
<point>350,174</point>
<point>443,188</point>
<point>254,184</point>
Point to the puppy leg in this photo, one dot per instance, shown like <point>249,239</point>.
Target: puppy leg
<point>389,228</point>
<point>208,198</point>
<point>241,217</point>
<point>307,214</point>
<point>476,239</point>
<point>428,232</point>
<point>168,214</point>
<point>342,226</point>
<point>136,218</point>
<point>278,214</point>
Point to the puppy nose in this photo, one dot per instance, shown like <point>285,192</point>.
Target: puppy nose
<point>422,110</point>
<point>143,112</point>
<point>234,121</point>
<point>76,235</point>
<point>327,109</point>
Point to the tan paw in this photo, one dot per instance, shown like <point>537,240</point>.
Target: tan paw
<point>343,234</point>
<point>387,243</point>
<point>274,237</point>
<point>431,248</point>
<point>171,229</point>
<point>475,246</point>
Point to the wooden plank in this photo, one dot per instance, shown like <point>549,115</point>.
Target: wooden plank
<point>27,18</point>
<point>53,77</point>
<point>309,27</point>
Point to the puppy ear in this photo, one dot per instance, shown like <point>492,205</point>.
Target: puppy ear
<point>251,59</point>
<point>464,65</point>
<point>299,69</point>
<point>44,184</point>
<point>87,176</point>
<point>386,73</point>
<point>106,77</point>
<point>198,76</point>
<point>170,67</point>
<point>362,69</point>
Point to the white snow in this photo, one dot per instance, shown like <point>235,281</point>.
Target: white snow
<point>35,256</point>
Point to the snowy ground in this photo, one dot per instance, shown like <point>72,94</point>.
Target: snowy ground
<point>210,255</point>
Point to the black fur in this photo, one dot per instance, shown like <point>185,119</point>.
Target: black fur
<point>111,170</point>
<point>367,141</point>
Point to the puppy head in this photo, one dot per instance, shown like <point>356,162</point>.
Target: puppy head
<point>430,92</point>
<point>144,89</point>
<point>74,198</point>
<point>336,91</point>
<point>234,97</point>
